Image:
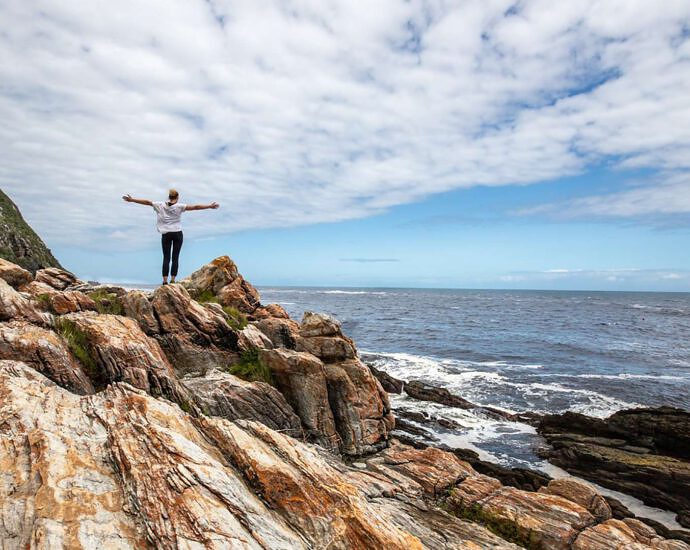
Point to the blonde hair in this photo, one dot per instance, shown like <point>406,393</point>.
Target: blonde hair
<point>173,194</point>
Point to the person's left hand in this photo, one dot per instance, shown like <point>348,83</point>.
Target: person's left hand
<point>127,198</point>
<point>215,205</point>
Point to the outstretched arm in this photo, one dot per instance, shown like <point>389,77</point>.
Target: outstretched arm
<point>129,198</point>
<point>213,205</point>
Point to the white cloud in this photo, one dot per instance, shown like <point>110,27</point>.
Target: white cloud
<point>305,111</point>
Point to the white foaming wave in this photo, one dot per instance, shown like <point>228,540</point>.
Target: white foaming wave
<point>626,376</point>
<point>287,303</point>
<point>463,378</point>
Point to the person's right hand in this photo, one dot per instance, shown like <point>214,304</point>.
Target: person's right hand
<point>215,205</point>
<point>127,198</point>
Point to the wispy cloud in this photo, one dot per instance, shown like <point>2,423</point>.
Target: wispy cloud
<point>630,275</point>
<point>306,112</point>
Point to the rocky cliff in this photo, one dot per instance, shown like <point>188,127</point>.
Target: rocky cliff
<point>18,242</point>
<point>196,417</point>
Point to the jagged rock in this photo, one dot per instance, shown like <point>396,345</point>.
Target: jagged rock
<point>388,382</point>
<point>582,493</point>
<point>270,310</point>
<point>327,348</point>
<point>44,351</point>
<point>609,452</point>
<point>472,490</point>
<point>195,338</point>
<point>15,275</point>
<point>301,378</point>
<point>222,394</point>
<point>118,351</point>
<point>283,333</point>
<point>319,324</point>
<point>121,469</point>
<point>222,279</point>
<point>435,471</point>
<point>15,306</point>
<point>251,337</point>
<point>136,304</point>
<point>57,278</point>
<point>664,430</point>
<point>19,243</point>
<point>426,392</point>
<point>70,302</point>
<point>683,518</point>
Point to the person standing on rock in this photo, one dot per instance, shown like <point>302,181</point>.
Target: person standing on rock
<point>169,224</point>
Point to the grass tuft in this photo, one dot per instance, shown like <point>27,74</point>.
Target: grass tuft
<point>251,369</point>
<point>206,296</point>
<point>107,302</point>
<point>44,301</point>
<point>504,528</point>
<point>236,319</point>
<point>78,344</point>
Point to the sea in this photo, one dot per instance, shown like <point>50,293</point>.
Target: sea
<point>517,350</point>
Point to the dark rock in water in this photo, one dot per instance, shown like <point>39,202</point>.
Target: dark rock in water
<point>19,243</point>
<point>388,382</point>
<point>425,418</point>
<point>426,392</point>
<point>405,426</point>
<point>664,430</point>
<point>636,451</point>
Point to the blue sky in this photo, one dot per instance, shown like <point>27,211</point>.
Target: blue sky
<point>472,144</point>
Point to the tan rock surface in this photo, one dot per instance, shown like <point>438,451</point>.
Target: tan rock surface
<point>44,351</point>
<point>195,338</point>
<point>13,274</point>
<point>300,377</point>
<point>15,306</point>
<point>582,493</point>
<point>57,278</point>
<point>121,469</point>
<point>121,352</point>
<point>222,394</point>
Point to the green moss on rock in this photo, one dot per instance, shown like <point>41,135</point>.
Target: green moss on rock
<point>251,368</point>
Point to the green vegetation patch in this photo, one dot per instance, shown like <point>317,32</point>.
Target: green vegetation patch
<point>236,319</point>
<point>504,528</point>
<point>78,344</point>
<point>107,302</point>
<point>206,296</point>
<point>251,369</point>
<point>44,301</point>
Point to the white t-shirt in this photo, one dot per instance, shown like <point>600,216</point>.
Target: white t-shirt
<point>169,217</point>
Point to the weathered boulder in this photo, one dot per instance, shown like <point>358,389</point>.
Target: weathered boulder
<point>270,310</point>
<point>15,306</point>
<point>136,304</point>
<point>44,351</point>
<point>222,394</point>
<point>221,279</point>
<point>14,275</point>
<point>57,278</point>
<point>282,332</point>
<point>301,378</point>
<point>582,493</point>
<point>251,337</point>
<point>624,535</point>
<point>70,302</point>
<point>195,338</point>
<point>319,324</point>
<point>116,350</point>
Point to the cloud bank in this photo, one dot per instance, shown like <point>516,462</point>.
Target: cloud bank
<point>298,112</point>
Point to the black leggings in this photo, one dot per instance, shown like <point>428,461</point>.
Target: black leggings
<point>171,240</point>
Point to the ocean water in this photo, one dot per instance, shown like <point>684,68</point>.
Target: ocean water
<point>543,351</point>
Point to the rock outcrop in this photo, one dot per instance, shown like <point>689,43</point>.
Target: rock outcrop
<point>642,452</point>
<point>19,243</point>
<point>129,431</point>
